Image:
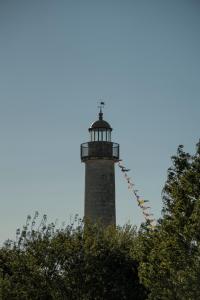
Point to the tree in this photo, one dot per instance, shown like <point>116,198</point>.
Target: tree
<point>82,262</point>
<point>90,262</point>
<point>171,266</point>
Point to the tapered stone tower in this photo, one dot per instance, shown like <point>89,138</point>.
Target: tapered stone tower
<point>100,155</point>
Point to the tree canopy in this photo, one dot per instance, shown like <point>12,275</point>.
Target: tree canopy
<point>171,267</point>
<point>88,261</point>
<point>75,262</point>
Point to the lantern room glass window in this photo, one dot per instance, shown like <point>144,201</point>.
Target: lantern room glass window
<point>100,135</point>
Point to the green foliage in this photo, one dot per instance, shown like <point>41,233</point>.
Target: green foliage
<point>171,266</point>
<point>92,262</point>
<point>75,262</point>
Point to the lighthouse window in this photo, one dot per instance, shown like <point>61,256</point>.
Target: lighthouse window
<point>104,135</point>
<point>109,136</point>
<point>96,135</point>
<point>100,134</point>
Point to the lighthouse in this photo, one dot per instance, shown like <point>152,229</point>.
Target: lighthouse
<point>100,155</point>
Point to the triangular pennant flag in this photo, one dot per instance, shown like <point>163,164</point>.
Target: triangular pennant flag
<point>140,200</point>
<point>146,207</point>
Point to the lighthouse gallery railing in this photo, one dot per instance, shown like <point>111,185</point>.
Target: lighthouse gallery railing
<point>107,150</point>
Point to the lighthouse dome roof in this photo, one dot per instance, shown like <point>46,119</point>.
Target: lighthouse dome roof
<point>100,123</point>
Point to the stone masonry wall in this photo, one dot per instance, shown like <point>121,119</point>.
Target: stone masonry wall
<point>100,191</point>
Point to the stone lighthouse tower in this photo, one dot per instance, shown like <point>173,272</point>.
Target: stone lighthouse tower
<point>100,155</point>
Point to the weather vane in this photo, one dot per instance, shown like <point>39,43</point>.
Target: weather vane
<point>101,104</point>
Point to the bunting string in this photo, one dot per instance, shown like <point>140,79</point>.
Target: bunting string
<point>142,203</point>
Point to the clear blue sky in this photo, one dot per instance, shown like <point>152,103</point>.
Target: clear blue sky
<point>57,58</point>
